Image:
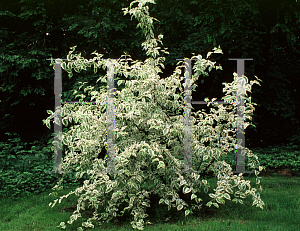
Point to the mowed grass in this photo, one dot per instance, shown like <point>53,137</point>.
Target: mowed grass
<point>281,212</point>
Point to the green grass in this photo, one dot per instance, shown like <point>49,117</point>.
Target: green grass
<point>25,202</point>
<point>281,212</point>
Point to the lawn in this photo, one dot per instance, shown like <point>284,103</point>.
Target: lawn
<point>29,209</point>
<point>281,195</point>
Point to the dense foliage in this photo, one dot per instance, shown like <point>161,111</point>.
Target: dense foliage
<point>267,31</point>
<point>22,171</point>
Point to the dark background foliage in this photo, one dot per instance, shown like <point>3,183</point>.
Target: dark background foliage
<point>267,31</point>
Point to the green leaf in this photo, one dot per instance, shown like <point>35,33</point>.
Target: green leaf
<point>69,139</point>
<point>49,112</point>
<point>205,157</point>
<point>161,201</point>
<point>93,199</point>
<point>135,185</point>
<point>165,131</point>
<point>167,202</point>
<point>257,181</point>
<point>179,207</point>
<point>146,204</point>
<point>220,200</point>
<point>120,82</point>
<point>227,196</point>
<point>121,106</point>
<point>187,212</point>
<point>229,190</point>
<point>255,202</point>
<point>115,194</point>
<point>193,196</point>
<point>209,204</point>
<point>156,159</point>
<point>161,165</point>
<point>186,190</point>
<point>64,66</point>
<point>83,116</point>
<point>242,195</point>
<point>176,149</point>
<point>216,204</point>
<point>151,152</point>
<point>198,200</point>
<point>65,122</point>
<point>212,195</point>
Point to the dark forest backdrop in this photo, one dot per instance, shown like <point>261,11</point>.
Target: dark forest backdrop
<point>265,30</point>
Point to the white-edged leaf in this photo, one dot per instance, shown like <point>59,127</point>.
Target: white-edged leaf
<point>242,195</point>
<point>49,112</point>
<point>209,204</point>
<point>187,212</point>
<point>146,204</point>
<point>227,196</point>
<point>114,195</point>
<point>165,131</point>
<point>220,200</point>
<point>179,207</point>
<point>255,202</point>
<point>83,116</point>
<point>93,199</point>
<point>205,157</point>
<point>63,65</point>
<point>216,204</point>
<point>151,152</point>
<point>167,202</point>
<point>69,139</point>
<point>121,106</point>
<point>156,159</point>
<point>212,195</point>
<point>161,201</point>
<point>198,200</point>
<point>161,164</point>
<point>65,121</point>
<point>257,181</point>
<point>120,82</point>
<point>193,196</point>
<point>186,190</point>
<point>134,185</point>
<point>229,190</point>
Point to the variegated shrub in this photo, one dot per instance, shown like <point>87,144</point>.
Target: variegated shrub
<point>148,111</point>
